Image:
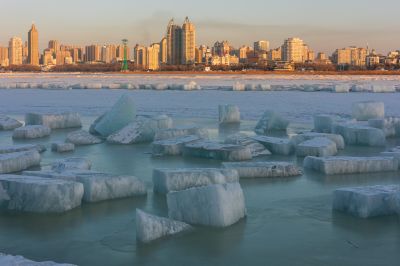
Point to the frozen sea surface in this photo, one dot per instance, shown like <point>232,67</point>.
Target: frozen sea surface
<point>290,220</point>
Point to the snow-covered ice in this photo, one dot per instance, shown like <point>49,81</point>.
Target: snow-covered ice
<point>168,180</point>
<point>363,111</point>
<point>275,145</point>
<point>367,202</point>
<point>228,114</point>
<point>82,137</point>
<point>9,260</point>
<point>264,169</point>
<point>61,147</point>
<point>350,165</point>
<point>173,146</point>
<point>271,121</point>
<point>42,195</point>
<point>338,139</point>
<point>31,132</point>
<point>69,164</point>
<point>121,114</point>
<point>257,149</point>
<point>217,151</point>
<point>320,147</point>
<point>150,227</point>
<point>18,161</point>
<point>359,134</point>
<point>54,121</point>
<point>218,205</point>
<point>8,123</point>
<point>22,147</point>
<point>181,132</point>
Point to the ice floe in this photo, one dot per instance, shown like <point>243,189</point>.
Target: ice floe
<point>22,147</point>
<point>338,139</point>
<point>8,123</point>
<point>82,137</point>
<point>31,132</point>
<point>18,161</point>
<point>62,147</point>
<point>264,169</point>
<point>217,151</point>
<point>180,132</point>
<point>271,121</point>
<point>320,147</point>
<point>173,146</point>
<point>275,145</point>
<point>358,134</point>
<point>69,164</point>
<point>9,260</point>
<point>54,121</point>
<point>257,149</point>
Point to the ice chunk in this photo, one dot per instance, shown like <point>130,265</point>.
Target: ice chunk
<point>31,132</point>
<point>276,145</point>
<point>120,115</point>
<point>320,147</point>
<point>68,176</point>
<point>264,169</point>
<point>43,195</point>
<point>23,147</point>
<point>140,131</point>
<point>323,123</point>
<point>271,121</point>
<point>383,88</point>
<point>181,132</point>
<point>54,121</point>
<point>3,195</point>
<point>9,260</point>
<point>390,125</point>
<point>366,202</point>
<point>258,87</point>
<point>61,147</point>
<point>356,134</point>
<point>341,88</point>
<point>216,205</point>
<point>363,111</point>
<point>350,165</point>
<point>237,86</point>
<point>150,227</point>
<point>167,180</point>
<point>8,123</point>
<point>71,164</point>
<point>395,153</point>
<point>18,161</point>
<point>257,149</point>
<point>82,137</point>
<point>217,151</point>
<point>172,146</point>
<point>229,114</point>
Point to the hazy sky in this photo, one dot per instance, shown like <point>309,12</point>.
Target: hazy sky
<point>324,25</point>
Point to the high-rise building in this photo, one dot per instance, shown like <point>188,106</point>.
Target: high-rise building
<point>121,53</point>
<point>140,56</point>
<point>174,44</point>
<point>221,48</point>
<point>153,57</point>
<point>33,46</point>
<point>353,56</point>
<point>109,53</point>
<point>47,57</point>
<point>54,45</point>
<point>92,53</point>
<point>15,51</point>
<point>4,60</point>
<point>275,54</point>
<point>188,42</point>
<point>163,50</point>
<point>261,46</point>
<point>294,50</point>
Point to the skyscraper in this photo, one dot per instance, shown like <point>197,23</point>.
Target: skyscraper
<point>174,44</point>
<point>188,42</point>
<point>33,46</point>
<point>163,50</point>
<point>294,50</point>
<point>15,51</point>
<point>54,45</point>
<point>153,57</point>
<point>261,46</point>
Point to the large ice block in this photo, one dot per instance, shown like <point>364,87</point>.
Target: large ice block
<point>9,260</point>
<point>31,132</point>
<point>82,137</point>
<point>217,151</point>
<point>323,123</point>
<point>71,164</point>
<point>42,195</point>
<point>22,147</point>
<point>216,205</point>
<point>356,134</point>
<point>320,147</point>
<point>257,149</point>
<point>181,132</point>
<point>62,147</point>
<point>173,146</point>
<point>278,146</point>
<point>271,121</point>
<point>350,165</point>
<point>121,114</point>
<point>264,169</point>
<point>54,121</point>
<point>150,227</point>
<point>229,114</point>
<point>338,139</point>
<point>363,111</point>
<point>8,123</point>
<point>167,180</point>
<point>390,125</point>
<point>367,202</point>
<point>18,161</point>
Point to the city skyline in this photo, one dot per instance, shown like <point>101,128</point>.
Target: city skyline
<point>325,26</point>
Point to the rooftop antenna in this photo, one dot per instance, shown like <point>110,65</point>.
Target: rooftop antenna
<point>125,67</point>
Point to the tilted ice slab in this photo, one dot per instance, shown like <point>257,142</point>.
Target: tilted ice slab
<point>320,147</point>
<point>368,202</point>
<point>8,123</point>
<point>121,114</point>
<point>150,227</point>
<point>181,132</point>
<point>390,125</point>
<point>356,134</point>
<point>278,146</point>
<point>9,260</point>
<point>336,138</point>
<point>54,121</point>
<point>167,180</point>
<point>62,147</point>
<point>257,149</point>
<point>229,114</point>
<point>18,161</point>
<point>215,205</point>
<point>217,151</point>
<point>42,195</point>
<point>363,111</point>
<point>31,132</point>
<point>22,147</point>
<point>264,169</point>
<point>173,146</point>
<point>71,164</point>
<point>141,131</point>
<point>82,137</point>
<point>271,121</point>
<point>350,165</point>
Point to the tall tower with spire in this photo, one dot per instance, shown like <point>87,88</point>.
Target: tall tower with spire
<point>33,46</point>
<point>188,42</point>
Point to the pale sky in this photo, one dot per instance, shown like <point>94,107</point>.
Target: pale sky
<point>324,25</point>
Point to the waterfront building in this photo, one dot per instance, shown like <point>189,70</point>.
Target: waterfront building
<point>33,46</point>
<point>153,57</point>
<point>15,51</point>
<point>4,59</point>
